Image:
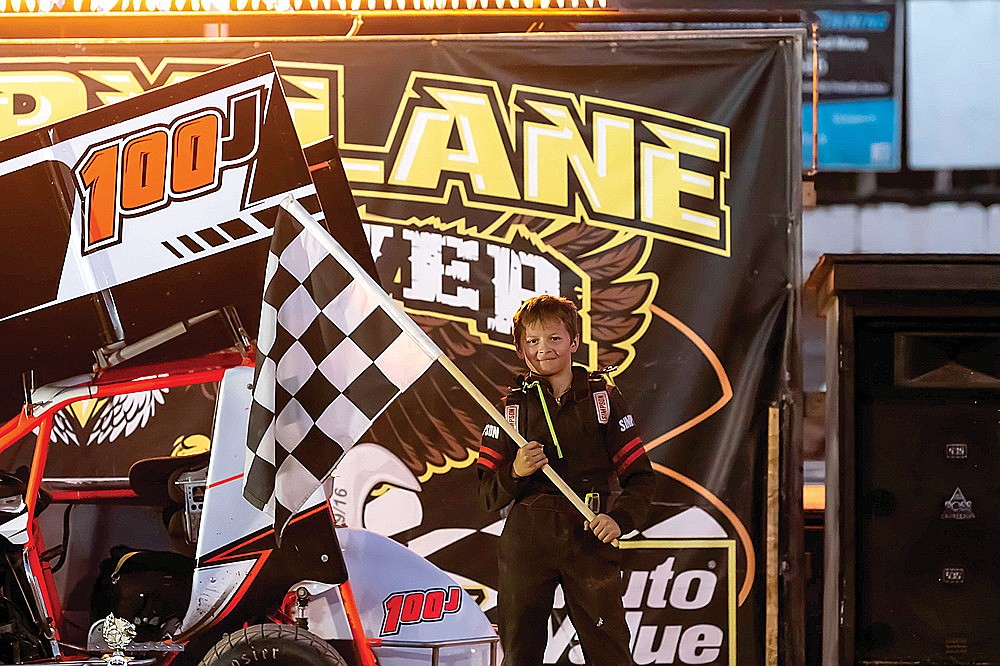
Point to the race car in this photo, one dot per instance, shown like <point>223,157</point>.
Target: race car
<point>208,584</point>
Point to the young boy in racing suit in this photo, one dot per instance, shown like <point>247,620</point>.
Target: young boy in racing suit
<point>579,424</point>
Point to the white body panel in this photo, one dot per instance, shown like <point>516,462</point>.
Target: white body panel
<point>382,572</point>
<point>227,517</point>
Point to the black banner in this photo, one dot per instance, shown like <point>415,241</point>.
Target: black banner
<point>652,178</point>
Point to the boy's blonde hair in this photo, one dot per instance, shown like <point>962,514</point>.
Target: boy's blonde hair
<point>545,307</point>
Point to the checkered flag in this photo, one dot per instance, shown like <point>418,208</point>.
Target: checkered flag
<point>333,351</point>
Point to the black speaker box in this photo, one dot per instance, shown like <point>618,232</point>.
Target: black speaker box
<point>927,472</point>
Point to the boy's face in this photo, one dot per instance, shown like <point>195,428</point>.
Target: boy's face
<point>547,348</point>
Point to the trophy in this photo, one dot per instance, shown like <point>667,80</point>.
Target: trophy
<point>118,633</point>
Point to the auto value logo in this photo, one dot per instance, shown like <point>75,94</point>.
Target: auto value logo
<point>680,606</point>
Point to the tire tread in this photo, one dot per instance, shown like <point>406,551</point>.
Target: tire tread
<point>247,636</point>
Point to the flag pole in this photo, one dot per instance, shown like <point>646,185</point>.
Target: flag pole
<point>403,320</point>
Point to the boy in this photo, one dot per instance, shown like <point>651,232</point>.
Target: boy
<point>579,424</point>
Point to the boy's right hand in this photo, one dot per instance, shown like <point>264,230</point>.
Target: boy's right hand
<point>530,458</point>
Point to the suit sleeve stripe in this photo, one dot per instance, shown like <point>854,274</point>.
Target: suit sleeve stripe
<point>490,452</point>
<point>631,459</point>
<point>626,451</point>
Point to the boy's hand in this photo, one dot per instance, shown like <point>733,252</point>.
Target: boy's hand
<point>605,528</point>
<point>530,458</point>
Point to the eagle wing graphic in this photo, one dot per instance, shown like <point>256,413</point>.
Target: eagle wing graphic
<point>437,421</point>
<point>124,414</point>
<point>64,428</point>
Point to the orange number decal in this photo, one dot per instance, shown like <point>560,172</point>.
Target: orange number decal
<point>144,170</point>
<point>100,176</point>
<point>195,143</point>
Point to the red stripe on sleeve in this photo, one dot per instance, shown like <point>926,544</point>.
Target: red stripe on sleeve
<point>487,463</point>
<point>627,449</point>
<point>490,452</point>
<point>631,459</point>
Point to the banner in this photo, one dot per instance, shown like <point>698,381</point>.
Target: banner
<point>860,65</point>
<point>650,177</point>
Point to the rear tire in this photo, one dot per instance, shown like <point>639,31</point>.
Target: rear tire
<point>272,645</point>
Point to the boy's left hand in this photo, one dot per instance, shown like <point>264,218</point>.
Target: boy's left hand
<point>605,528</point>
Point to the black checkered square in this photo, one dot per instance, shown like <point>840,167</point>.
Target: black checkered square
<point>259,481</point>
<point>376,333</point>
<point>321,336</point>
<point>326,281</point>
<point>282,284</point>
<point>316,395</point>
<point>313,453</point>
<point>371,392</point>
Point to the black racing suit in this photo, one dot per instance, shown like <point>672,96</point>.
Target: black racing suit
<point>544,543</point>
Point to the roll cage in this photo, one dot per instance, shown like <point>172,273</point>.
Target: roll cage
<point>38,415</point>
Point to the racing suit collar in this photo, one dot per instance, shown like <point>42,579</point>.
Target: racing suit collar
<point>579,389</point>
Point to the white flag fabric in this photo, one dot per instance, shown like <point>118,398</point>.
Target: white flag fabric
<point>333,351</point>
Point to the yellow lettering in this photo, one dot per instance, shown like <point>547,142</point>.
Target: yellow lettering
<point>123,84</point>
<point>663,180</point>
<point>364,171</point>
<point>310,112</point>
<point>538,152</point>
<point>178,76</point>
<point>479,152</point>
<point>36,98</point>
<point>606,176</point>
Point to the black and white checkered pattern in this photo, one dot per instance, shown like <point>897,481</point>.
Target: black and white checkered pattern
<point>330,359</point>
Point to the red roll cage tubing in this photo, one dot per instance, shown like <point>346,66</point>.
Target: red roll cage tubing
<point>117,382</point>
<point>110,383</point>
<point>113,382</point>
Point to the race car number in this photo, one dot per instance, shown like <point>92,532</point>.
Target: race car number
<point>145,170</point>
<point>419,606</point>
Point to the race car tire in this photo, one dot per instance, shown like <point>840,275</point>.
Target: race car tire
<point>272,645</point>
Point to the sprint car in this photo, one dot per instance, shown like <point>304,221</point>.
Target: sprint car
<point>207,584</point>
